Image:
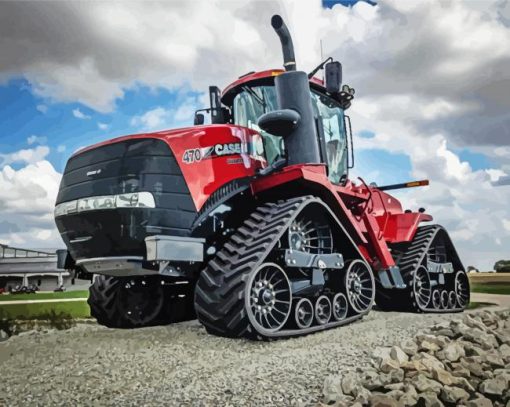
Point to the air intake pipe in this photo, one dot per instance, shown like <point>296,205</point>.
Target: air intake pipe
<point>295,120</point>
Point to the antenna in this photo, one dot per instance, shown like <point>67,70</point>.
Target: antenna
<point>322,59</point>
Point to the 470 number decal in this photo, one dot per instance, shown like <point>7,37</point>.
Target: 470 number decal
<point>191,156</point>
<point>198,154</point>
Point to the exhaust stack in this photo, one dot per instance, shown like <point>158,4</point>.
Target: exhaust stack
<point>289,60</point>
<point>295,105</point>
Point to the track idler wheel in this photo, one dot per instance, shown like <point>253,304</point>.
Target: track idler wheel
<point>422,290</point>
<point>340,307</point>
<point>360,286</point>
<point>322,310</point>
<point>268,298</point>
<point>462,288</point>
<point>303,313</point>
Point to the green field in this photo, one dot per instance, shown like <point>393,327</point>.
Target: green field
<point>475,305</point>
<point>491,288</point>
<point>75,309</point>
<point>44,296</point>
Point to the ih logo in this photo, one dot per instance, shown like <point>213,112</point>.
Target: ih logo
<point>218,150</point>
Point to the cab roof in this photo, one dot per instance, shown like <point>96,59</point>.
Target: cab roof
<point>258,78</point>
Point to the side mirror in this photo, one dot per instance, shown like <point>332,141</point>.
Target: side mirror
<point>333,77</point>
<point>199,119</point>
<point>279,122</point>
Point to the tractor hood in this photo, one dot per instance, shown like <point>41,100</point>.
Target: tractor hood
<point>208,156</point>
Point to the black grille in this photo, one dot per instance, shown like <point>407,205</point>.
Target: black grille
<point>134,165</point>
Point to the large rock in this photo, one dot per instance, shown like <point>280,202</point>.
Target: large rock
<point>423,384</point>
<point>459,328</point>
<point>485,340</point>
<point>453,352</point>
<point>413,365</point>
<point>429,399</point>
<point>505,350</point>
<point>409,347</point>
<point>3,335</point>
<point>381,400</point>
<point>460,371</point>
<point>410,397</point>
<point>332,389</point>
<point>362,395</point>
<point>387,365</point>
<point>474,322</point>
<point>349,383</point>
<point>479,402</point>
<point>493,387</point>
<point>495,361</point>
<point>453,394</point>
<point>443,377</point>
<point>371,380</point>
<point>381,353</point>
<point>474,367</point>
<point>429,361</point>
<point>398,354</point>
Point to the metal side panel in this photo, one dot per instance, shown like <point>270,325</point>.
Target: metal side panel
<point>174,248</point>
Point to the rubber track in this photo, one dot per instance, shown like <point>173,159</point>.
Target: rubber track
<point>219,293</point>
<point>408,264</point>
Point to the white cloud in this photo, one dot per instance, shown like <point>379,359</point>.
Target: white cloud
<point>80,115</point>
<point>27,156</point>
<point>506,224</point>
<point>27,198</point>
<point>42,108</point>
<point>33,139</point>
<point>160,118</point>
<point>153,119</point>
<point>61,148</point>
<point>424,92</point>
<point>102,126</point>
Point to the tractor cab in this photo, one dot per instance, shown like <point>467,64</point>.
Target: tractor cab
<point>254,94</point>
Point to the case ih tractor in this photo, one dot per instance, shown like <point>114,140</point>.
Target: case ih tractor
<point>251,222</point>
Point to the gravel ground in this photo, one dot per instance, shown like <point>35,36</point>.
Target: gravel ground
<point>182,365</point>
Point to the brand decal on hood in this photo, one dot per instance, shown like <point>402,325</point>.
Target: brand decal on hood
<point>218,150</point>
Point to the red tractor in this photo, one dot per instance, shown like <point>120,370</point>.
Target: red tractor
<point>250,222</point>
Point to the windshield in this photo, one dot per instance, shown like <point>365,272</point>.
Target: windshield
<point>254,101</point>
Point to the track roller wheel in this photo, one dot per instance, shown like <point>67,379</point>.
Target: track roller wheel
<point>436,299</point>
<point>268,298</point>
<point>452,299</point>
<point>462,288</point>
<point>303,313</point>
<point>444,299</point>
<point>360,286</point>
<point>340,307</point>
<point>322,310</point>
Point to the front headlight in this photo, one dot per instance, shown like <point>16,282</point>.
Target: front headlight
<point>132,200</point>
<point>135,200</point>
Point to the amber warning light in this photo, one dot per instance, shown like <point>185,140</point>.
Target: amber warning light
<point>411,184</point>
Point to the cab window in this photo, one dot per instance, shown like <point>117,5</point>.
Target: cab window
<point>248,106</point>
<point>332,117</point>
